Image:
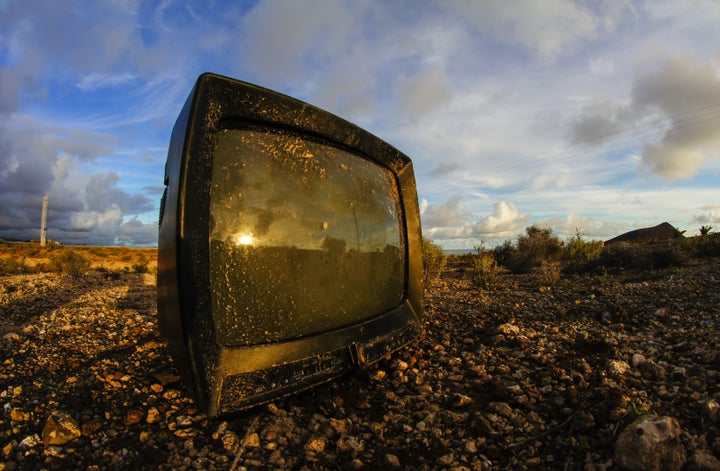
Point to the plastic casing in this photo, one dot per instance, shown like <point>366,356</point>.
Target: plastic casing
<point>221,379</point>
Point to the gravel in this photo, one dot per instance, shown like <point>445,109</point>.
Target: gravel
<point>537,373</point>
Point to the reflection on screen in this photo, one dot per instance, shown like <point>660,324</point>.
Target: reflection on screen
<point>304,238</point>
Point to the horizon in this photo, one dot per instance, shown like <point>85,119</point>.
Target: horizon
<point>599,118</point>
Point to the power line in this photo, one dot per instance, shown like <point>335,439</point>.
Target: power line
<point>615,139</point>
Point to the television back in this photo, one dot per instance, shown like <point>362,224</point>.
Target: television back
<point>289,246</point>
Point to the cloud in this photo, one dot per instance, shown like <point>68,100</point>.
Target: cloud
<point>588,227</point>
<point>680,100</point>
<point>285,49</point>
<point>545,27</point>
<point>423,93</point>
<point>446,214</point>
<point>101,80</point>
<point>447,221</point>
<point>136,233</point>
<point>84,208</point>
<point>710,215</point>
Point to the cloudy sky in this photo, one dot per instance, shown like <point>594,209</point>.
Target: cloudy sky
<point>576,115</point>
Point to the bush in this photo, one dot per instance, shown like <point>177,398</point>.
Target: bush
<point>707,245</point>
<point>504,253</point>
<point>484,269</point>
<point>140,268</point>
<point>434,261</point>
<point>643,256</point>
<point>581,256</point>
<point>538,245</point>
<point>10,266</point>
<point>69,262</point>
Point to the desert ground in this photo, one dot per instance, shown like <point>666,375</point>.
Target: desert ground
<point>534,373</point>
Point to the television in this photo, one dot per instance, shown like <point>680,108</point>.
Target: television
<point>289,247</point>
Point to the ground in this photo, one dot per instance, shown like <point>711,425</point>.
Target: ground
<point>535,373</point>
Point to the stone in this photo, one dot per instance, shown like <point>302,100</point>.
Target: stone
<point>508,329</point>
<point>316,445</point>
<point>703,460</point>
<point>651,443</point>
<point>392,460</point>
<point>59,429</point>
<point>617,367</point>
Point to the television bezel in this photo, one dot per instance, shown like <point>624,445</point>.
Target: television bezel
<point>184,299</point>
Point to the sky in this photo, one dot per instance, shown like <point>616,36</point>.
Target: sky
<point>582,116</point>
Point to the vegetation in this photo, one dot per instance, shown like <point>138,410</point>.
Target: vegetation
<point>434,261</point>
<point>70,262</point>
<point>541,252</point>
<point>484,269</point>
<point>26,257</point>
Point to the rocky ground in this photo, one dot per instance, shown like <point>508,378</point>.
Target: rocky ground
<point>537,373</point>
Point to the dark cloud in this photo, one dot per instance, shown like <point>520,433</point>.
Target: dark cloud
<point>102,193</point>
<point>136,233</point>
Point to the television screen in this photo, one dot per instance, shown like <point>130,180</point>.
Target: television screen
<point>289,248</point>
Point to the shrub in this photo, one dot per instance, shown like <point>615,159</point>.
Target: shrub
<point>484,269</point>
<point>705,245</point>
<point>10,266</point>
<point>643,256</point>
<point>504,253</point>
<point>538,245</point>
<point>140,268</point>
<point>580,256</point>
<point>434,260</point>
<point>69,262</point>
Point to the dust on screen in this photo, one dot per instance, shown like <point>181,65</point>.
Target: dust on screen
<point>305,237</point>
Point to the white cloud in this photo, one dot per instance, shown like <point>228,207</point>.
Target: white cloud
<point>94,80</point>
<point>546,27</point>
<point>446,221</point>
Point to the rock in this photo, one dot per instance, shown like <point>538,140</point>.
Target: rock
<point>392,460</point>
<point>712,409</point>
<point>637,360</point>
<point>617,368</point>
<point>59,429</point>
<point>703,460</point>
<point>508,329</point>
<point>651,443</point>
<point>316,445</point>
<point>252,441</point>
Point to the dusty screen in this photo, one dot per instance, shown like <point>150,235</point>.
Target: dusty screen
<point>304,238</point>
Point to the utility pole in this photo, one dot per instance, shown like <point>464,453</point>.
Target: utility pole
<point>43,222</point>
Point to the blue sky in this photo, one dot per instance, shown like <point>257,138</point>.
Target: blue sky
<point>576,115</point>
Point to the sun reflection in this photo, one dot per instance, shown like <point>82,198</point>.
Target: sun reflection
<point>244,239</point>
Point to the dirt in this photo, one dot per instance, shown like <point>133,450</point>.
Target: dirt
<point>535,373</point>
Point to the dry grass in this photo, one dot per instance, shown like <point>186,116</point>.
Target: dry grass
<point>30,257</point>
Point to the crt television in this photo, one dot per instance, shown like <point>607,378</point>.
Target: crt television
<point>289,246</point>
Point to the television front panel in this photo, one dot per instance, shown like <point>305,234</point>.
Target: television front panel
<point>289,246</point>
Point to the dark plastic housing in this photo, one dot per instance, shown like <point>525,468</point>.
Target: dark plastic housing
<point>258,316</point>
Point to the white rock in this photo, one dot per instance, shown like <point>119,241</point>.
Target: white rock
<point>651,443</point>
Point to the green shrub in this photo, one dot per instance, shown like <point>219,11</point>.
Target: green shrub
<point>707,245</point>
<point>643,256</point>
<point>504,253</point>
<point>537,246</point>
<point>434,261</point>
<point>484,269</point>
<point>69,262</point>
<point>581,256</point>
